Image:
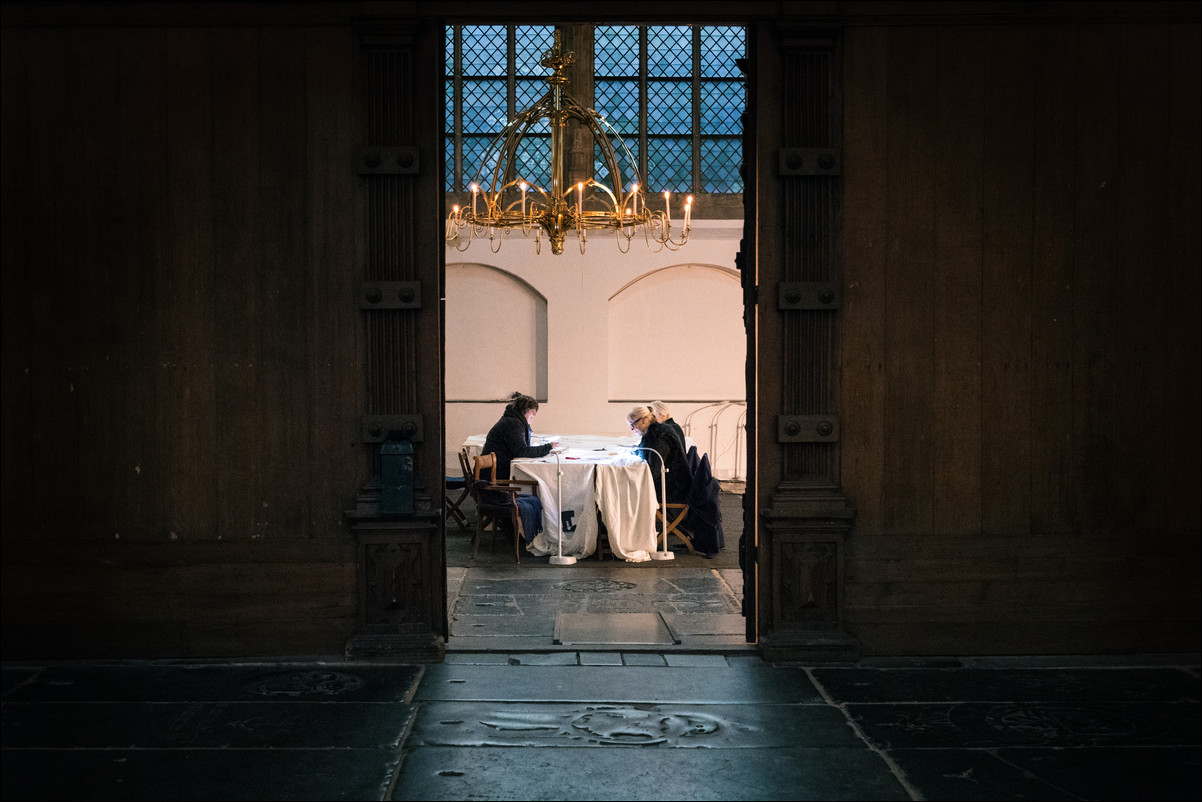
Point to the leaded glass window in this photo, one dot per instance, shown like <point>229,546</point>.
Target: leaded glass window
<point>673,93</point>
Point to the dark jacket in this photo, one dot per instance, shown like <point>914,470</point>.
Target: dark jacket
<point>674,426</point>
<point>509,438</point>
<point>664,440</point>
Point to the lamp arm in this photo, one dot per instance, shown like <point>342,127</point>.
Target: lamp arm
<point>663,488</point>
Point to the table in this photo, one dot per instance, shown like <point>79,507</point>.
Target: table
<point>593,476</point>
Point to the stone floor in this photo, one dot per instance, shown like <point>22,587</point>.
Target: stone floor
<point>687,712</point>
<point>497,604</point>
<point>613,725</point>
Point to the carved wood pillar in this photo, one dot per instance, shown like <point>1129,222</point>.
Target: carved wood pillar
<point>401,559</point>
<point>805,516</point>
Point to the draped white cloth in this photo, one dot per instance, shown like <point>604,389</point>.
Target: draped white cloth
<point>626,498</point>
<point>578,485</point>
<point>569,496</point>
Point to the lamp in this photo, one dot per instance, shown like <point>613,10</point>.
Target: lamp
<point>504,199</point>
<point>560,559</point>
<point>663,502</point>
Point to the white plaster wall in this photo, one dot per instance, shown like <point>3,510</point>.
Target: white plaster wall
<point>605,346</point>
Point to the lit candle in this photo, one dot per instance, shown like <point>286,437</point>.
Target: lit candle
<point>475,189</point>
<point>688,210</point>
<point>668,207</point>
<point>452,220</point>
<point>634,192</point>
<point>579,200</point>
<point>523,199</point>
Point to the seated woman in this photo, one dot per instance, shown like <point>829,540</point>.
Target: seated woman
<point>660,441</point>
<point>660,410</point>
<point>509,438</point>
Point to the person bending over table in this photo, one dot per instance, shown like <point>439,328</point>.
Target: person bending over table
<point>659,437</point>
<point>509,439</point>
<point>660,410</point>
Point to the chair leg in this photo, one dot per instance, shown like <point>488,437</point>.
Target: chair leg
<point>452,507</point>
<point>517,538</point>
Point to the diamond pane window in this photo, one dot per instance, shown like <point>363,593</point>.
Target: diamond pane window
<point>721,108</point>
<point>616,50</point>
<point>528,91</point>
<point>651,83</point>
<point>533,160</point>
<point>669,165</point>
<point>618,103</point>
<point>669,107</point>
<point>532,41</point>
<point>481,53</point>
<point>481,96</point>
<point>720,46</point>
<point>670,51</point>
<point>484,107</point>
<point>720,160</point>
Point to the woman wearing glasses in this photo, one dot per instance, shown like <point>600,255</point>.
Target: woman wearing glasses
<point>658,440</point>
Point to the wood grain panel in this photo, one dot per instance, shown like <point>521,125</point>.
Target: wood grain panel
<point>284,290</point>
<point>1006,282</point>
<point>1097,310</point>
<point>909,280</point>
<point>334,256</point>
<point>240,242</point>
<point>958,232</point>
<point>16,290</point>
<point>184,293</point>
<point>1053,281</point>
<point>865,249</point>
<point>1142,178</point>
<point>1183,389</point>
<point>141,196</point>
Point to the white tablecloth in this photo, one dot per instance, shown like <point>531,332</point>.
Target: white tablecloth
<point>594,473</point>
<point>578,485</point>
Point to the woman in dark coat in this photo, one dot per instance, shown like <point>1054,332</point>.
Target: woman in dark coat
<point>659,439</point>
<point>660,410</point>
<point>509,439</point>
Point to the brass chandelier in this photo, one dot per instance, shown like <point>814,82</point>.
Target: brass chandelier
<point>504,200</point>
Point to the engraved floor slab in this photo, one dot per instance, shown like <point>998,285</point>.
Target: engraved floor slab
<point>618,684</point>
<point>653,773</point>
<point>761,726</point>
<point>616,629</point>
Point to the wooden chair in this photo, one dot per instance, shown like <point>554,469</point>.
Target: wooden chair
<point>453,506</point>
<point>676,516</point>
<point>490,514</point>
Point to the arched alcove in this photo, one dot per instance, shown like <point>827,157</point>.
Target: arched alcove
<point>677,334</point>
<point>496,335</point>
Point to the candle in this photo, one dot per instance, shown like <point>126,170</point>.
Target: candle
<point>634,191</point>
<point>579,200</point>
<point>523,199</point>
<point>475,189</point>
<point>452,220</point>
<point>668,207</point>
<point>688,210</point>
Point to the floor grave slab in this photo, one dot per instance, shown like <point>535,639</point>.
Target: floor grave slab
<point>760,726</point>
<point>572,629</point>
<point>1017,684</point>
<point>209,725</point>
<point>617,684</point>
<point>343,682</point>
<point>651,773</point>
<point>998,724</point>
<point>202,775</point>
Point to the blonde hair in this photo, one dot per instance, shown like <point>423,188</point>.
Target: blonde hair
<point>660,410</point>
<point>638,413</point>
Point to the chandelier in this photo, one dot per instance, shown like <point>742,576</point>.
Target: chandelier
<point>503,199</point>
